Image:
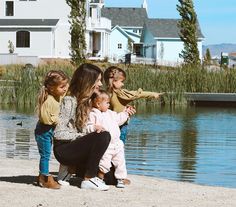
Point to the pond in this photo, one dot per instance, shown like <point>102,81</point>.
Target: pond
<point>193,144</point>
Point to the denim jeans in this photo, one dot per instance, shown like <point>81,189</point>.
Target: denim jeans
<point>123,132</point>
<point>43,137</point>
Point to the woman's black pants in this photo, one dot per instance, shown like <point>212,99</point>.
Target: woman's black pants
<point>84,153</point>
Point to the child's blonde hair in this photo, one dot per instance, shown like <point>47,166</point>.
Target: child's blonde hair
<point>111,74</point>
<point>52,79</point>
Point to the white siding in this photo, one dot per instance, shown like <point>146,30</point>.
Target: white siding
<point>171,51</point>
<point>40,9</point>
<point>62,41</point>
<point>51,43</point>
<point>4,37</point>
<point>118,38</point>
<point>200,49</point>
<point>40,48</point>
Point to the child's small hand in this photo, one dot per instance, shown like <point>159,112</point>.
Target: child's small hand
<point>98,128</point>
<point>157,95</point>
<point>130,110</point>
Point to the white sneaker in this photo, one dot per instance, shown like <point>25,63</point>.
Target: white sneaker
<point>120,183</point>
<point>63,175</point>
<point>94,183</point>
<point>63,182</point>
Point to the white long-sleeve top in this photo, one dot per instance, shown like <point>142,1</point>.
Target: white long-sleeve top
<point>109,120</point>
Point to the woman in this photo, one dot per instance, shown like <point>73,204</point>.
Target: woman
<point>71,146</point>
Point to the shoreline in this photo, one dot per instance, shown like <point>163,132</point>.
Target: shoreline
<point>17,188</point>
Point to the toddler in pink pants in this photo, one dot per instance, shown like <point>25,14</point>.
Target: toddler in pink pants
<point>103,119</point>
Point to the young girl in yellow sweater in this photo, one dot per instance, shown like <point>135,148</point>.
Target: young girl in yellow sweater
<point>54,88</point>
<point>114,78</point>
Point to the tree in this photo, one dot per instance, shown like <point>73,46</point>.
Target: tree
<point>207,57</point>
<point>129,45</point>
<point>161,51</point>
<point>188,32</point>
<point>77,30</point>
<point>10,47</point>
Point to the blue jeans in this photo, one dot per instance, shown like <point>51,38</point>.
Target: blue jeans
<point>43,137</point>
<point>123,132</point>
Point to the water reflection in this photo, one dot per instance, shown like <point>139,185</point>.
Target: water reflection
<point>187,144</point>
<point>17,140</point>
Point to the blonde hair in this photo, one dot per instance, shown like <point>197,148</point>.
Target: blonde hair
<point>111,74</point>
<point>52,79</point>
<point>82,87</point>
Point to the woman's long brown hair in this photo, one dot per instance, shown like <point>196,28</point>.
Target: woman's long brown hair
<point>82,87</point>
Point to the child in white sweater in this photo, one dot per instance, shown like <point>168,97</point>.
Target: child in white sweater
<point>103,119</point>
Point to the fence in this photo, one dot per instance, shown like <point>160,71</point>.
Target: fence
<point>6,59</point>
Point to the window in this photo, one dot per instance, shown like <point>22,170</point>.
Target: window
<point>9,8</point>
<point>22,39</point>
<point>119,46</point>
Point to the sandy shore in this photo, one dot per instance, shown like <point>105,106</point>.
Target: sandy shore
<point>17,188</point>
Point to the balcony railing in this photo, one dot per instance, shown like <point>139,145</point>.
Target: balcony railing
<point>98,23</point>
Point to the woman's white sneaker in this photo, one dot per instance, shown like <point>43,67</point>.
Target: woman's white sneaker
<point>63,182</point>
<point>94,183</point>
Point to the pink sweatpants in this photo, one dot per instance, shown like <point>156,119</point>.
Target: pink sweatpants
<point>116,155</point>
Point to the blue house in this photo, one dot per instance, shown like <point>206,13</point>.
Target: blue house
<point>152,40</point>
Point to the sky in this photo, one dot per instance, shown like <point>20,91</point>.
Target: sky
<point>217,18</point>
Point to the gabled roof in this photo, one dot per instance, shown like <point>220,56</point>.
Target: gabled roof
<point>122,31</point>
<point>28,22</point>
<point>125,17</point>
<point>166,28</point>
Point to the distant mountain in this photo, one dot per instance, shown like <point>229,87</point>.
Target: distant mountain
<point>216,50</point>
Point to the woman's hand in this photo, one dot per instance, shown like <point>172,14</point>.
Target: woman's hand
<point>130,110</point>
<point>98,128</point>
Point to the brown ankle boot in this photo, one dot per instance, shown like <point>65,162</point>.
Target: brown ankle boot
<point>48,182</point>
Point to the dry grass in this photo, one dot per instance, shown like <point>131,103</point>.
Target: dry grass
<point>174,81</point>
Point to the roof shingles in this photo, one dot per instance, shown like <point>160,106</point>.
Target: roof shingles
<point>166,28</point>
<point>125,17</point>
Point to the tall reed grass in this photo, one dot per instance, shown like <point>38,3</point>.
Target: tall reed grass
<point>173,81</point>
<point>28,81</point>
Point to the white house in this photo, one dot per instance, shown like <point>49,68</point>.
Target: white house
<point>40,29</point>
<point>98,31</point>
<point>35,27</point>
